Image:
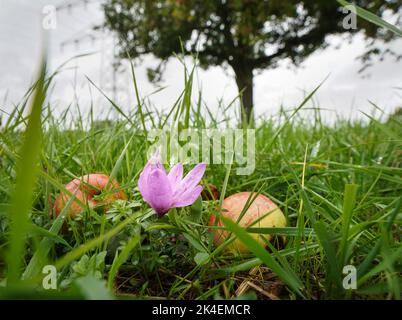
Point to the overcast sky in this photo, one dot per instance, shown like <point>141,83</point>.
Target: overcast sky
<point>345,92</point>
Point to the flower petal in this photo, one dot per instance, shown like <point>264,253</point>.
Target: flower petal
<point>188,198</point>
<point>143,182</point>
<point>191,179</point>
<point>159,191</point>
<point>175,175</point>
<point>156,159</point>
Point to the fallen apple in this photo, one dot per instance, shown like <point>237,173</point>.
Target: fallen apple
<point>261,213</point>
<point>85,188</point>
<point>210,192</point>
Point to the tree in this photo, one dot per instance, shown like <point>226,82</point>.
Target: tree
<point>247,35</point>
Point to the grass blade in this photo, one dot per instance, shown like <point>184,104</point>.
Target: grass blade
<point>120,259</point>
<point>371,17</point>
<point>34,265</point>
<point>348,206</point>
<point>27,170</point>
<point>289,277</point>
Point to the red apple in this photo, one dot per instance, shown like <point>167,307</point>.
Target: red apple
<point>85,188</point>
<point>262,213</point>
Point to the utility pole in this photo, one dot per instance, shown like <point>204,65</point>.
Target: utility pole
<point>109,74</point>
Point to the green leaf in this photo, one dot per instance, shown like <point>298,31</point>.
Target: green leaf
<point>93,288</point>
<point>26,171</point>
<point>194,242</point>
<point>201,258</point>
<point>50,235</point>
<point>195,214</point>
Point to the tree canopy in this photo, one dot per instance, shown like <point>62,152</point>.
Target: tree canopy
<point>246,35</point>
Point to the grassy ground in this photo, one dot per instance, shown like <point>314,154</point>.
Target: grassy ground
<point>339,187</point>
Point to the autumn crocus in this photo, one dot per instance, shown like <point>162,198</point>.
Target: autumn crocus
<point>163,191</point>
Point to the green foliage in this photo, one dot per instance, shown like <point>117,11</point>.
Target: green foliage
<point>93,266</point>
<point>245,35</point>
<point>231,31</point>
<point>339,187</point>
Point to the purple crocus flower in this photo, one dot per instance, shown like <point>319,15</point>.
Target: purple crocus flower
<point>163,191</point>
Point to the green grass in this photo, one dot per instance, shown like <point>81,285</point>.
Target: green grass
<point>339,187</point>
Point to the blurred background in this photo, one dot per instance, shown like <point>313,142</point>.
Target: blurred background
<point>79,30</point>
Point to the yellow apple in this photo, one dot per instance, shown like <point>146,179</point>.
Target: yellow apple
<point>261,213</point>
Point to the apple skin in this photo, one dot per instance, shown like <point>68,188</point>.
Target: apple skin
<point>262,206</point>
<point>210,192</point>
<point>85,188</point>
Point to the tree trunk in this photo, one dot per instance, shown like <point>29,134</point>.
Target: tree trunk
<point>244,80</point>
